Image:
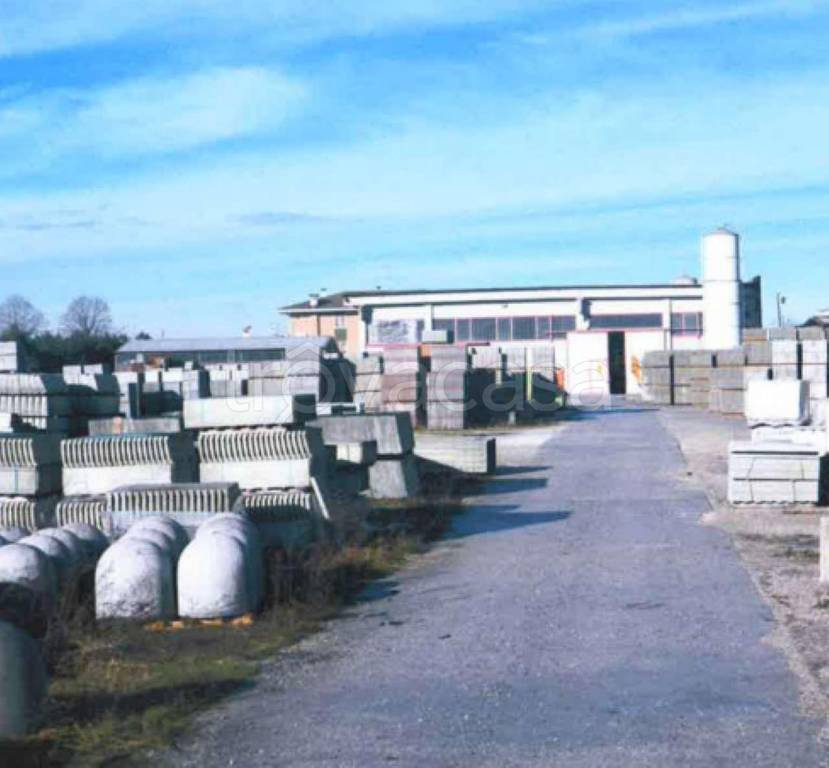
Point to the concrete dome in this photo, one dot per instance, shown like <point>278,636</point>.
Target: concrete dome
<point>213,578</point>
<point>167,526</point>
<point>93,541</point>
<point>13,533</point>
<point>135,579</point>
<point>57,552</point>
<point>30,568</point>
<point>70,541</point>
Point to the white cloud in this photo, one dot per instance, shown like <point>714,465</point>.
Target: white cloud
<point>145,116</point>
<point>28,26</point>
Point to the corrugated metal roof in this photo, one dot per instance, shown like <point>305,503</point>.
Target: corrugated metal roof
<point>325,343</point>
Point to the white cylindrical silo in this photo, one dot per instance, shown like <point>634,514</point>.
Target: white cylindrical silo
<point>722,323</point>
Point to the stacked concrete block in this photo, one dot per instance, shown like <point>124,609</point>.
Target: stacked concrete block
<point>228,382</point>
<point>173,388</point>
<point>96,465</point>
<point>131,393</point>
<point>10,357</point>
<point>815,370</point>
<point>448,393</point>
<point>776,472</point>
<point>303,373</point>
<point>271,457</point>
<point>778,403</point>
<point>402,386</point>
<point>658,377</point>
<point>727,380</point>
<point>252,411</point>
<point>368,380</point>
<point>41,402</point>
<point>188,504</point>
<point>30,480</point>
<point>786,359</point>
<point>394,472</point>
<point>94,395</point>
<point>120,425</point>
<point>286,519</point>
<point>471,454</point>
<point>486,358</point>
<point>220,572</point>
<point>692,377</point>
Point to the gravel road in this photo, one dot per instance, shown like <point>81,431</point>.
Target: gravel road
<point>577,615</point>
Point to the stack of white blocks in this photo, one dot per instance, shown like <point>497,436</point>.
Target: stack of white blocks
<point>30,480</point>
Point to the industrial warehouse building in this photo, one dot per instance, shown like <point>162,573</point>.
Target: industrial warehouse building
<point>599,332</point>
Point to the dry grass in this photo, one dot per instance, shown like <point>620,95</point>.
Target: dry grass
<point>119,689</point>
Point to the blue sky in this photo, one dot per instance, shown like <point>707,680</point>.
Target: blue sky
<point>200,163</point>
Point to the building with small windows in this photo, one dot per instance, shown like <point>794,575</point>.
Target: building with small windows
<point>612,324</point>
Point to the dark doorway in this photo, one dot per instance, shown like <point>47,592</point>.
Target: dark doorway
<point>616,361</point>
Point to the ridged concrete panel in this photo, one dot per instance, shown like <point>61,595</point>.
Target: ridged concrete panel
<point>82,509</point>
<point>127,450</point>
<point>32,384</point>
<point>30,514</point>
<point>253,445</point>
<point>207,498</point>
<point>36,405</point>
<point>29,450</point>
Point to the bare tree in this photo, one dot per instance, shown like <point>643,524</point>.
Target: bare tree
<point>19,318</point>
<point>87,316</point>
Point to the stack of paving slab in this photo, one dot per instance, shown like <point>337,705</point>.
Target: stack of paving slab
<point>393,474</point>
<point>120,425</point>
<point>303,372</point>
<point>470,454</point>
<point>692,377</point>
<point>251,411</point>
<point>30,480</point>
<point>815,370</point>
<point>41,402</point>
<point>781,464</point>
<point>10,357</point>
<point>228,382</point>
<point>402,386</point>
<point>448,396</point>
<point>131,393</point>
<point>368,383</point>
<point>785,353</point>
<point>658,377</point>
<point>97,465</point>
<point>168,391</point>
<point>734,370</point>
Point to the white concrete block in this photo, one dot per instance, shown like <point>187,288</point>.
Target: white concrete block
<point>30,568</point>
<point>395,478</point>
<point>777,402</point>
<point>248,411</point>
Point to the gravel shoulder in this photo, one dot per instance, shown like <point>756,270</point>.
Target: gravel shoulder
<point>778,546</point>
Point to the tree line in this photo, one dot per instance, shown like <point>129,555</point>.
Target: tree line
<point>85,332</point>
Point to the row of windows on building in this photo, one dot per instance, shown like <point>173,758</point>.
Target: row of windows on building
<point>486,329</point>
<point>204,357</point>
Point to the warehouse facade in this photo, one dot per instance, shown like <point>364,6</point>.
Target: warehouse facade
<point>599,332</point>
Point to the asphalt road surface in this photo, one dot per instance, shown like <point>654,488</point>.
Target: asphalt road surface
<point>577,615</point>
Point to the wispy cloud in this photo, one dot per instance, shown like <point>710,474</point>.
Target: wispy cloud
<point>276,219</point>
<point>146,116</point>
<point>693,17</point>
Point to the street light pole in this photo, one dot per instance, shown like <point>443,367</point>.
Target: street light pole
<point>781,300</point>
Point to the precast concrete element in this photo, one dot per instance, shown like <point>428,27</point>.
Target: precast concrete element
<point>26,512</point>
<point>32,384</point>
<point>95,465</point>
<point>185,504</point>
<point>13,533</point>
<point>286,519</point>
<point>786,359</point>
<point>135,579</point>
<point>242,529</point>
<point>776,473</point>
<point>29,450</point>
<point>29,567</point>
<point>777,403</point>
<point>357,454</point>
<point>30,481</point>
<point>658,377</point>
<point>394,478</point>
<point>157,425</point>
<point>91,538</point>
<point>173,533</point>
<point>473,454</point>
<point>263,458</point>
<point>391,431</point>
<point>23,681</point>
<point>214,577</point>
<point>216,413</point>
<point>58,553</point>
<point>78,551</point>
<point>86,510</point>
<point>41,406</point>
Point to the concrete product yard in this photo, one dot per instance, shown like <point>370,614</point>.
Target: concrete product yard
<point>548,629</point>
